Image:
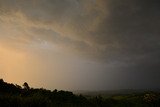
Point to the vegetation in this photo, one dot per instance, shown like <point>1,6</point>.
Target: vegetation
<point>15,96</point>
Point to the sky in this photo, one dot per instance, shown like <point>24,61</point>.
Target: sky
<point>81,44</point>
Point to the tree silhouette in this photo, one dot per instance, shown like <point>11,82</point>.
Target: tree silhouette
<point>26,86</point>
<point>1,80</point>
<point>12,95</point>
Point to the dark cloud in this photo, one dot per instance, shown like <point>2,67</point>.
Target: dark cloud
<point>109,29</point>
<point>118,32</point>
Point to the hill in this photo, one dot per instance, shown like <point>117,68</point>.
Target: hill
<point>13,95</point>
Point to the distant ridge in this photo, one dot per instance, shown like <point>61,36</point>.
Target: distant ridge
<point>13,95</point>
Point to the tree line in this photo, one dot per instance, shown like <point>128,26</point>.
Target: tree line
<point>13,95</point>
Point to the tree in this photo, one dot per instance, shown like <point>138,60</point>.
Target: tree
<point>18,86</point>
<point>26,86</point>
<point>1,81</point>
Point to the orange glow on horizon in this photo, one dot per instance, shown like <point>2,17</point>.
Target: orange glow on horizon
<point>10,61</point>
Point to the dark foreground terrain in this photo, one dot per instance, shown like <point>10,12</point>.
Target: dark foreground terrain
<point>15,96</point>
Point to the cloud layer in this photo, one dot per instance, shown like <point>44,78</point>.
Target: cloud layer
<point>124,34</point>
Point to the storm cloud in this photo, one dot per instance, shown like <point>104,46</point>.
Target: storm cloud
<point>123,36</point>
